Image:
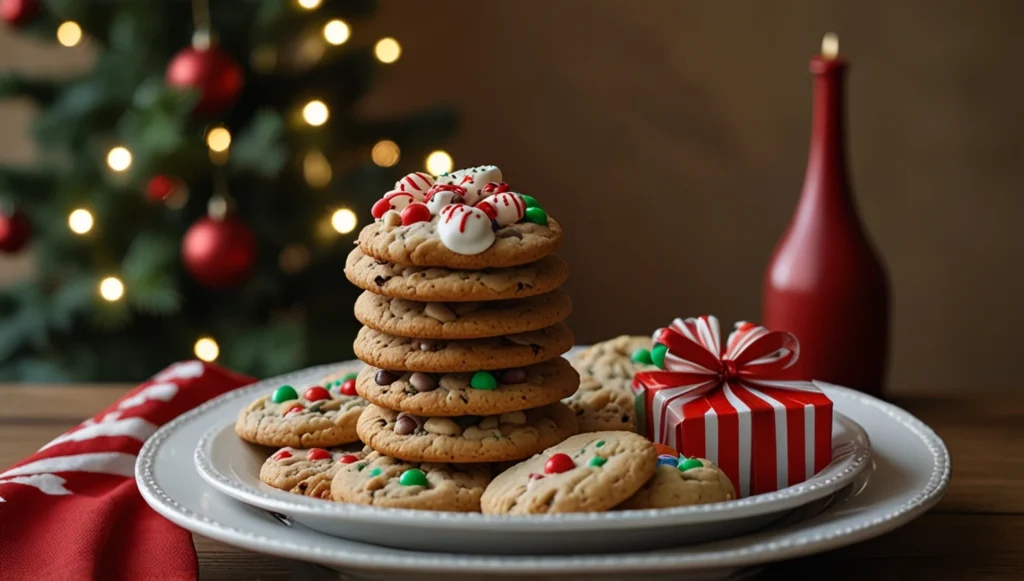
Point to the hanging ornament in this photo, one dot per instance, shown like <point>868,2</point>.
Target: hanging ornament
<point>18,12</point>
<point>161,187</point>
<point>206,67</point>
<point>15,231</point>
<point>219,250</point>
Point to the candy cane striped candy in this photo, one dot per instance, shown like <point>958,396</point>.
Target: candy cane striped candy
<point>509,207</point>
<point>417,184</point>
<point>394,200</point>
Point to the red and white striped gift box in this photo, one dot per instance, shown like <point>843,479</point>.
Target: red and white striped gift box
<point>727,404</point>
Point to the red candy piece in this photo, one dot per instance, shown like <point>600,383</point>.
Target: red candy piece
<point>488,209</point>
<point>663,449</point>
<point>380,208</point>
<point>349,388</point>
<point>282,454</point>
<point>316,393</point>
<point>295,408</point>
<point>348,459</point>
<point>559,463</point>
<point>535,476</point>
<point>415,212</point>
<point>318,454</point>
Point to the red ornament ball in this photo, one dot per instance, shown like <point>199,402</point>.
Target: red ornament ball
<point>415,212</point>
<point>219,253</point>
<point>212,71</point>
<point>316,393</point>
<point>161,187</point>
<point>18,12</point>
<point>559,463</point>
<point>349,387</point>
<point>318,454</point>
<point>15,231</point>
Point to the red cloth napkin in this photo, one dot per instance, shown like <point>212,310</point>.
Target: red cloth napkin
<point>72,510</point>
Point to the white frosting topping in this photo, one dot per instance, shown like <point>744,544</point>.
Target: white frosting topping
<point>465,229</point>
<point>441,199</point>
<point>417,184</point>
<point>399,200</point>
<point>508,207</point>
<point>472,179</point>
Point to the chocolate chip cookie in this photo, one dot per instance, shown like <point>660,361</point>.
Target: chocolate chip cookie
<point>496,438</point>
<point>307,472</point>
<point>682,482</point>
<point>418,283</point>
<point>599,408</point>
<point>444,356</point>
<point>614,362</point>
<point>586,473</point>
<point>380,480</point>
<point>461,320</point>
<point>320,417</point>
<point>477,393</point>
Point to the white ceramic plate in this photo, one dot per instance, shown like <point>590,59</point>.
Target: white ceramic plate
<point>232,466</point>
<point>909,473</point>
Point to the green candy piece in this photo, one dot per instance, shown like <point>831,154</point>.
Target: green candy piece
<point>530,201</point>
<point>283,394</point>
<point>689,464</point>
<point>483,380</point>
<point>376,472</point>
<point>599,443</point>
<point>597,462</point>
<point>536,215</point>
<point>347,377</point>
<point>413,477</point>
<point>359,467</point>
<point>642,356</point>
<point>658,355</point>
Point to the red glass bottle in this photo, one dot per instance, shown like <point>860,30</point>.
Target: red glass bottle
<point>825,283</point>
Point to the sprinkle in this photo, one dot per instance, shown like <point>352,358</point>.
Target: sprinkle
<point>599,443</point>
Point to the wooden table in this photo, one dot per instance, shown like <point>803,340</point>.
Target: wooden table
<point>975,533</point>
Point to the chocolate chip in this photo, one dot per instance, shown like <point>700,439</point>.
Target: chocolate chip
<point>422,382</point>
<point>380,280</point>
<point>385,377</point>
<point>513,376</point>
<point>405,425</point>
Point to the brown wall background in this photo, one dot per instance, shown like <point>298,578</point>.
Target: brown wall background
<point>669,138</point>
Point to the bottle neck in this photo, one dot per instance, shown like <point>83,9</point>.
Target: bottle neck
<point>826,188</point>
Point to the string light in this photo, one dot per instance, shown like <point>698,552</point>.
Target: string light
<point>344,220</point>
<point>316,169</point>
<point>309,4</point>
<point>111,289</point>
<point>385,153</point>
<point>119,158</point>
<point>69,33</point>
<point>206,349</point>
<point>218,139</point>
<point>336,32</point>
<point>315,113</point>
<point>439,162</point>
<point>80,221</point>
<point>387,50</point>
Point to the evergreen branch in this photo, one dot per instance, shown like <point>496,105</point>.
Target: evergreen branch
<point>42,91</point>
<point>20,183</point>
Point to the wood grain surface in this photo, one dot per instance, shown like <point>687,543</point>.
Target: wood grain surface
<point>974,533</point>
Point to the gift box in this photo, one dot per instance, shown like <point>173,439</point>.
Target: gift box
<point>728,403</point>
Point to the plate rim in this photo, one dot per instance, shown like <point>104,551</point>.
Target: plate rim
<point>787,498</point>
<point>796,544</point>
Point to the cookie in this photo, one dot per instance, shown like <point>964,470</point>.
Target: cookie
<point>460,394</point>
<point>417,283</point>
<point>611,362</point>
<point>319,418</point>
<point>307,472</point>
<point>462,320</point>
<point>388,482</point>
<point>682,482</point>
<point>508,436</point>
<point>420,244</point>
<point>444,355</point>
<point>586,473</point>
<point>600,409</point>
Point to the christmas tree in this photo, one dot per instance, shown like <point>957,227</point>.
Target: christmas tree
<point>199,187</point>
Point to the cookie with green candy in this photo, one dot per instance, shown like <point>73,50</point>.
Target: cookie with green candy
<point>308,471</point>
<point>380,480</point>
<point>681,481</point>
<point>586,473</point>
<point>613,363</point>
<point>322,415</point>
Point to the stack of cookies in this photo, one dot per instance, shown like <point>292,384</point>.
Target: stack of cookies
<point>463,320</point>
